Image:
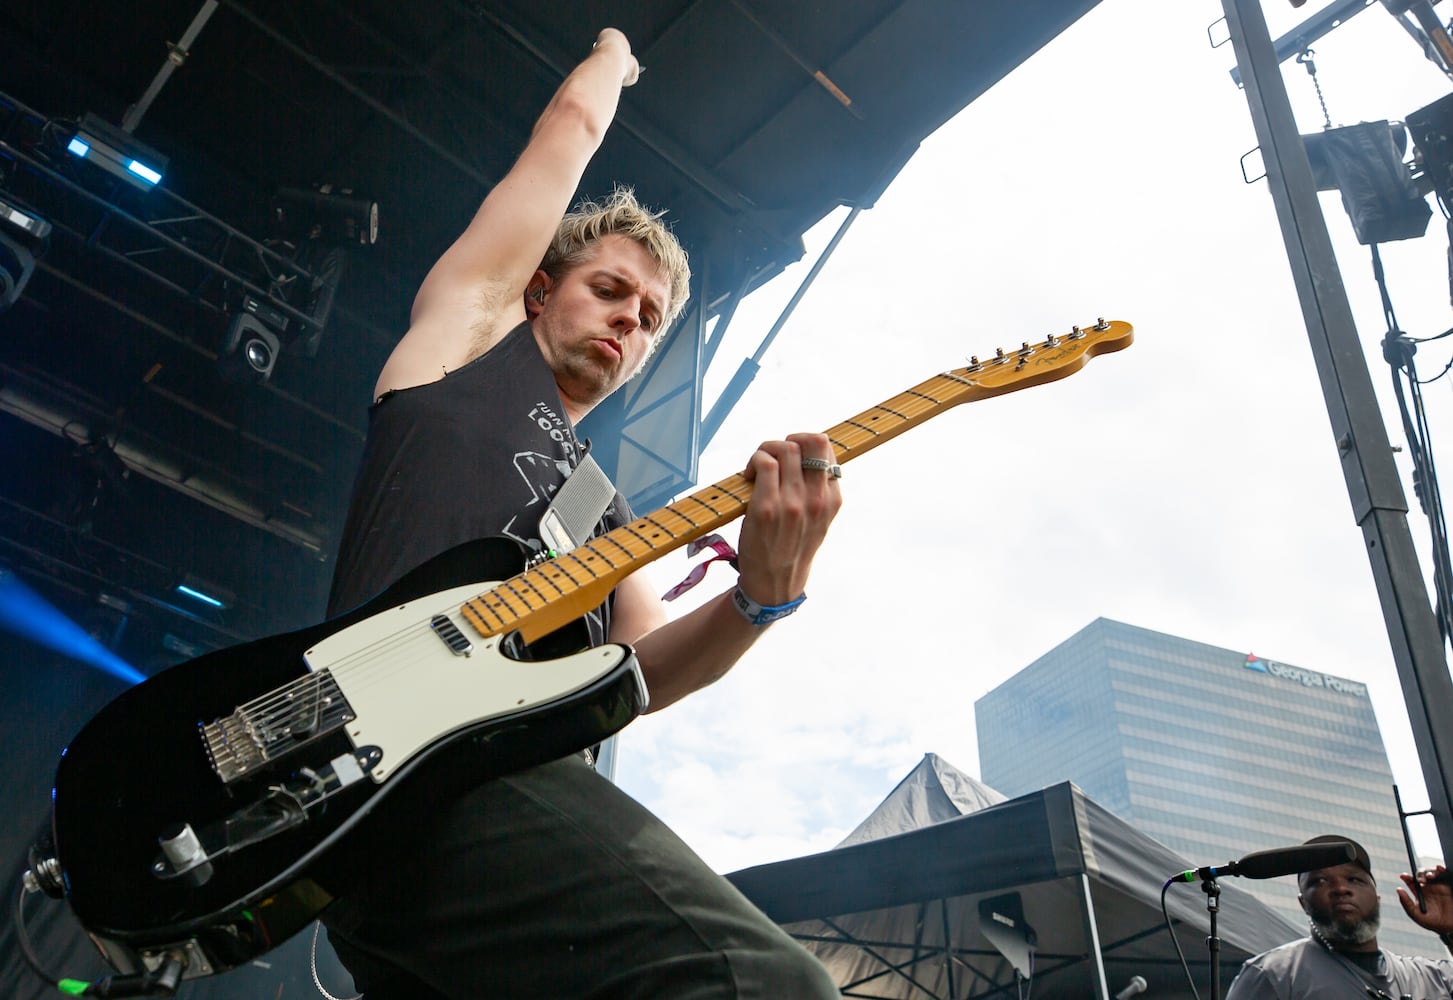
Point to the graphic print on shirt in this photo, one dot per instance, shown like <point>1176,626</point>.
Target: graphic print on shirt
<point>543,475</point>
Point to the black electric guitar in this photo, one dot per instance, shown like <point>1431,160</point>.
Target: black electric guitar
<point>212,810</point>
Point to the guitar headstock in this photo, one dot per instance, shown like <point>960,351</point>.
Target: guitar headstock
<point>1056,357</point>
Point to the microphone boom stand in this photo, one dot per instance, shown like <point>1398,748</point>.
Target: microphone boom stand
<point>1213,943</point>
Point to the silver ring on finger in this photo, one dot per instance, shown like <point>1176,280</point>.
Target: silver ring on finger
<point>833,470</point>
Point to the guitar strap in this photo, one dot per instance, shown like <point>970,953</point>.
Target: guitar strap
<point>578,505</point>
<point>1371,984</point>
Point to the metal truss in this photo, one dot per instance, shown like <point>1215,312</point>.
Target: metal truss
<point>1365,453</point>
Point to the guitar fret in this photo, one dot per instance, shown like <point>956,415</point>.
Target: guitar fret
<point>508,587</point>
<point>593,555</point>
<point>527,579</point>
<point>865,430</point>
<point>644,541</point>
<point>492,601</point>
<point>661,527</point>
<point>957,378</point>
<point>472,616</point>
<point>548,579</point>
<point>703,503</point>
<point>559,564</point>
<point>676,525</point>
<point>481,604</point>
<point>690,525</point>
<point>912,404</point>
<point>554,570</point>
<point>503,614</point>
<point>681,514</point>
<point>922,396</point>
<point>607,538</point>
<point>895,413</point>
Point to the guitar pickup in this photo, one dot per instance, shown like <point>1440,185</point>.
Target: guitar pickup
<point>446,630</point>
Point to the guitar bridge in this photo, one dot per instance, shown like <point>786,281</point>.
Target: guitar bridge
<point>274,725</point>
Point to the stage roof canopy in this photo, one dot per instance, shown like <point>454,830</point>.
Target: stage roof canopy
<point>752,123</point>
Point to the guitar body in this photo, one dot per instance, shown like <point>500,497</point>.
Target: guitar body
<point>415,705</point>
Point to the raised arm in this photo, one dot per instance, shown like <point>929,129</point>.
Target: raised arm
<point>474,294</point>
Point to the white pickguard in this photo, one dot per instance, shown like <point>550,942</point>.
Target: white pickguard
<point>409,689</point>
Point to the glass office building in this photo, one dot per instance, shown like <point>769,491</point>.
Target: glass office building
<point>1216,753</point>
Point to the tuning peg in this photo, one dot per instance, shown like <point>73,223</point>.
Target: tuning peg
<point>1051,341</point>
<point>1076,333</point>
<point>1100,324</point>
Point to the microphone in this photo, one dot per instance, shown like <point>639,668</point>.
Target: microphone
<point>1277,861</point>
<point>1137,985</point>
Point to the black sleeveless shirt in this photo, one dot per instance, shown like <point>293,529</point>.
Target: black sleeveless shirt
<point>478,453</point>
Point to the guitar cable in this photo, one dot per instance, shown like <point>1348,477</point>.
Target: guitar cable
<point>23,937</point>
<point>161,981</point>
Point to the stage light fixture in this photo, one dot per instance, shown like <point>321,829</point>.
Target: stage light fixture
<point>186,650</point>
<point>23,236</point>
<point>117,152</point>
<point>1364,163</point>
<point>253,342</point>
<point>206,592</point>
<point>198,595</point>
<point>23,223</point>
<point>117,604</point>
<point>326,214</point>
<point>1432,130</point>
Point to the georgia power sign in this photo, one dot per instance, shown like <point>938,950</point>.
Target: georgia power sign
<point>1307,678</point>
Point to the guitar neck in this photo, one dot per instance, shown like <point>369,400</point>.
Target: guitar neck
<point>555,593</point>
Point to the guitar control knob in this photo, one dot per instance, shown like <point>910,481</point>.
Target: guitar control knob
<point>182,848</point>
<point>44,875</point>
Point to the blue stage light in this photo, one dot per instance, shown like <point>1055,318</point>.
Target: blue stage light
<point>117,152</point>
<point>143,171</point>
<point>207,599</point>
<point>25,613</point>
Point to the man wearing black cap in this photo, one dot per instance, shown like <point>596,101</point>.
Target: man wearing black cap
<point>1340,958</point>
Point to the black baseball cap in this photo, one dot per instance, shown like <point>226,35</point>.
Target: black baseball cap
<point>1361,860</point>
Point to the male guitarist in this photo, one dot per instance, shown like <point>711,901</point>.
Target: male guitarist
<point>552,882</point>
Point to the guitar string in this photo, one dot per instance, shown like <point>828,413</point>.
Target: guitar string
<point>293,698</point>
<point>305,695</point>
<point>904,408</point>
<point>273,726</point>
<point>380,658</point>
<point>907,407</point>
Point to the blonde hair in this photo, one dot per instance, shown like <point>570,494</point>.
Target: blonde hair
<point>621,215</point>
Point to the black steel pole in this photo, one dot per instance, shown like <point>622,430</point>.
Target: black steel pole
<point>1378,502</point>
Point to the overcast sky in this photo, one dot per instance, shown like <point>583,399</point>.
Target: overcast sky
<point>1189,484</point>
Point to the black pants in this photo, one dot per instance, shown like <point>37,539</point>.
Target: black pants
<point>555,884</point>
